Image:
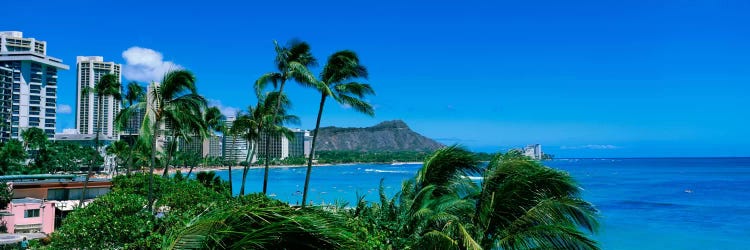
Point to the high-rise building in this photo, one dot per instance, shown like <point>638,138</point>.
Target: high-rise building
<point>34,83</point>
<point>279,147</point>
<point>534,151</point>
<point>212,146</point>
<point>89,70</point>
<point>235,147</point>
<point>6,86</point>
<point>161,138</point>
<point>297,145</point>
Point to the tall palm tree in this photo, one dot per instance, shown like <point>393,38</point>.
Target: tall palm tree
<point>215,123</point>
<point>108,86</point>
<point>291,62</point>
<point>120,150</point>
<point>520,204</point>
<point>134,94</point>
<point>184,125</point>
<point>251,123</point>
<point>176,99</point>
<point>338,80</point>
<point>34,139</point>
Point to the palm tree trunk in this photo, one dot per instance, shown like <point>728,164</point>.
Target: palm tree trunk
<point>130,162</point>
<point>172,148</point>
<point>191,171</point>
<point>268,135</point>
<point>312,149</point>
<point>96,146</point>
<point>246,168</point>
<point>153,164</point>
<point>234,144</point>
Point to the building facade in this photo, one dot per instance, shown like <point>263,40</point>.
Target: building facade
<point>235,147</point>
<point>6,88</point>
<point>297,145</point>
<point>534,151</point>
<point>34,83</point>
<point>89,70</point>
<point>212,146</point>
<point>41,202</point>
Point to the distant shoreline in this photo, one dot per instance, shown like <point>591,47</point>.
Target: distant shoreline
<point>222,168</point>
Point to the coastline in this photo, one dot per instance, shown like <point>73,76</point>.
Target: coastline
<point>173,170</point>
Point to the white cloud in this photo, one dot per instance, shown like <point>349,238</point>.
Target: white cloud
<point>591,146</point>
<point>64,109</point>
<point>145,65</point>
<point>225,110</point>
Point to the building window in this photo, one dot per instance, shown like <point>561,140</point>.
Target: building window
<point>31,213</point>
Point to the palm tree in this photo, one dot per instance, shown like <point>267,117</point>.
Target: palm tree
<point>135,94</point>
<point>34,139</point>
<point>184,124</point>
<point>339,82</point>
<point>121,150</point>
<point>291,62</point>
<point>108,86</point>
<point>251,123</point>
<point>520,204</point>
<point>214,122</point>
<point>176,99</point>
<point>261,223</point>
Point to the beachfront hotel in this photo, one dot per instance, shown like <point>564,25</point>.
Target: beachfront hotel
<point>89,70</point>
<point>235,147</point>
<point>32,85</point>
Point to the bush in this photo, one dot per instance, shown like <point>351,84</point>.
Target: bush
<point>116,220</point>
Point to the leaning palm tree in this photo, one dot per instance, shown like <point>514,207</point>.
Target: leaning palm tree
<point>176,99</point>
<point>184,125</point>
<point>339,82</point>
<point>247,127</point>
<point>214,122</point>
<point>259,118</point>
<point>520,204</point>
<point>134,94</point>
<point>292,62</point>
<point>120,150</point>
<point>108,86</point>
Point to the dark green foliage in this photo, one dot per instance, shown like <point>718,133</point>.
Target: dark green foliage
<point>370,157</point>
<point>116,220</point>
<point>12,155</point>
<point>257,222</point>
<point>520,204</point>
<point>211,181</point>
<point>6,195</point>
<point>121,218</point>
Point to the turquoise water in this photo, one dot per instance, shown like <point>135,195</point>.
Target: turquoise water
<point>675,203</point>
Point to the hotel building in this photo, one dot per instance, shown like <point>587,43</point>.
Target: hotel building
<point>89,71</point>
<point>33,85</point>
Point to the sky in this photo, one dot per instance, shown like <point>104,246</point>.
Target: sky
<point>582,78</point>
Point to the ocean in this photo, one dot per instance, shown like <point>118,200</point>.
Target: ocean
<point>655,203</point>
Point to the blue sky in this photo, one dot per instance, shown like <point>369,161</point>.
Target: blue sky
<point>585,79</point>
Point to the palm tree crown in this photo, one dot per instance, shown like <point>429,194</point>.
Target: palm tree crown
<point>175,100</point>
<point>338,80</point>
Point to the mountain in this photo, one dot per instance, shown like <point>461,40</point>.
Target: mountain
<point>386,136</point>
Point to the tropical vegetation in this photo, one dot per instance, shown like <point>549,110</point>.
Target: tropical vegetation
<point>519,204</point>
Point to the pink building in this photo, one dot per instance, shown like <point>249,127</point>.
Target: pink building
<point>30,215</point>
<point>41,202</point>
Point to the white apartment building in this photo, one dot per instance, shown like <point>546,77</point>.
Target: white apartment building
<point>235,147</point>
<point>89,70</point>
<point>33,85</point>
<point>534,151</point>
